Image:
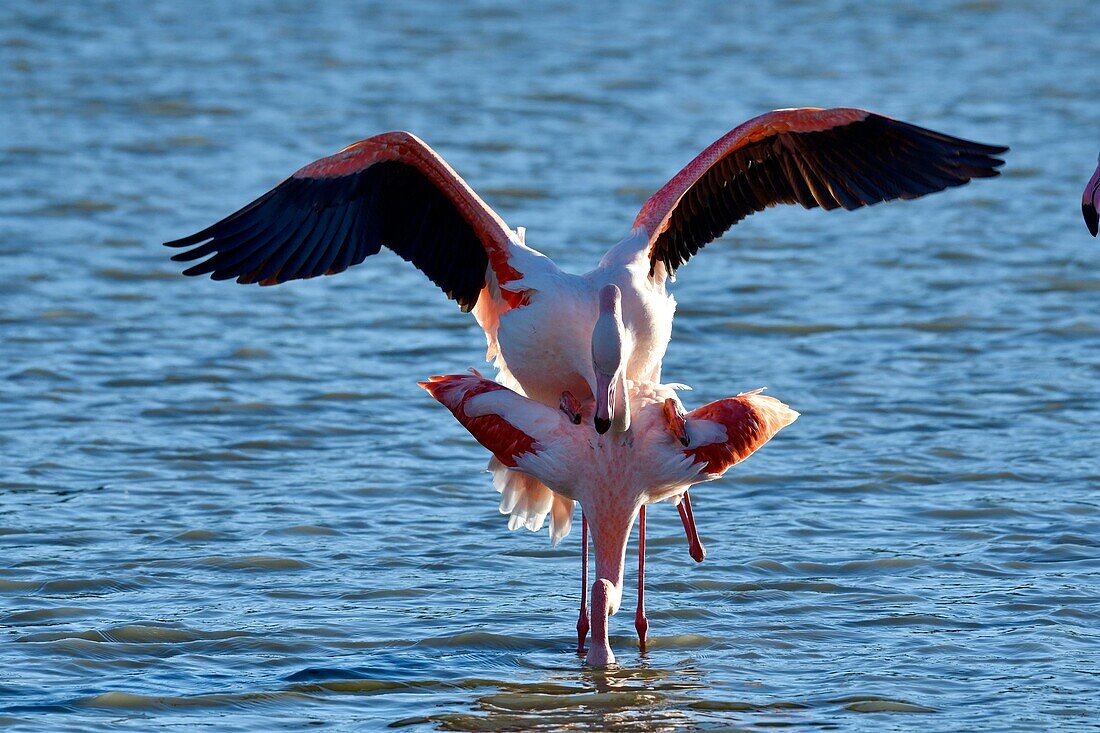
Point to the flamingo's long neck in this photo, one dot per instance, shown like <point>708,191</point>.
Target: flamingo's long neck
<point>611,345</point>
<point>610,522</point>
<point>610,535</point>
<point>600,654</point>
<point>621,421</point>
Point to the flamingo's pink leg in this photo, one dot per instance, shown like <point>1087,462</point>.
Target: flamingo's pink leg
<point>695,546</point>
<point>582,621</point>
<point>641,623</point>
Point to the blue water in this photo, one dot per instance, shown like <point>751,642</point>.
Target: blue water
<point>233,508</point>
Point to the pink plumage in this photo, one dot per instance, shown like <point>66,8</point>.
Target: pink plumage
<point>615,475</point>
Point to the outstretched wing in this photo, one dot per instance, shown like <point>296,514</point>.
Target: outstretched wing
<point>1090,202</point>
<point>506,423</point>
<point>831,158</point>
<point>726,432</point>
<point>391,190</point>
<point>521,434</point>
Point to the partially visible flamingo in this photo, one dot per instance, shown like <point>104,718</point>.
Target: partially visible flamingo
<point>1090,201</point>
<point>393,190</point>
<point>613,476</point>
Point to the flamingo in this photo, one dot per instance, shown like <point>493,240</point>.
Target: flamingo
<point>1090,201</point>
<point>393,190</point>
<point>613,476</point>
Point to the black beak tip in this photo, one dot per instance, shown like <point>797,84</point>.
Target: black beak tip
<point>603,424</point>
<point>1092,218</point>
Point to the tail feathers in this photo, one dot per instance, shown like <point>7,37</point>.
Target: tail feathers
<point>529,502</point>
<point>561,519</point>
<point>749,419</point>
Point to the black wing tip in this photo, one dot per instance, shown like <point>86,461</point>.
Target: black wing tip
<point>181,256</point>
<point>196,238</point>
<point>1092,218</point>
<point>994,162</point>
<point>982,157</point>
<point>991,169</point>
<point>971,146</point>
<point>197,270</point>
<point>976,148</point>
<point>206,268</point>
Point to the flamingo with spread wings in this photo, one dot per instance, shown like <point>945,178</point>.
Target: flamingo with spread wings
<point>392,190</point>
<point>613,476</point>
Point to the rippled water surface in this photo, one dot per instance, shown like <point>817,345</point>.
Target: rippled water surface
<point>233,507</point>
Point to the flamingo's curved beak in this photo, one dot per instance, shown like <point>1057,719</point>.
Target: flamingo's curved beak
<point>605,401</point>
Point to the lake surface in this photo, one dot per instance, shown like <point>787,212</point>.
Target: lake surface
<point>232,507</point>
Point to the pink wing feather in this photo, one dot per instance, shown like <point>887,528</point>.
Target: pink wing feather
<point>515,427</point>
<point>750,420</point>
<point>502,437</point>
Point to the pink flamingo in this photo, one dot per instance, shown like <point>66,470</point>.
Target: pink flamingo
<point>613,476</point>
<point>393,190</point>
<point>1090,201</point>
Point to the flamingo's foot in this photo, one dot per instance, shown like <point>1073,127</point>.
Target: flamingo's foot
<point>641,623</point>
<point>695,545</point>
<point>582,629</point>
<point>675,420</point>
<point>571,406</point>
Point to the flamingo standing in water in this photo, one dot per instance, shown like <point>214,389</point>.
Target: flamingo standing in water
<point>393,190</point>
<point>613,476</point>
<point>1090,201</point>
